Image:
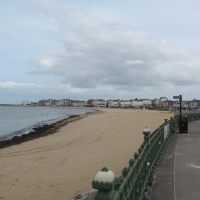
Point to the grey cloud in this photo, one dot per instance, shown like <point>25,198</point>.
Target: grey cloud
<point>134,62</point>
<point>95,53</point>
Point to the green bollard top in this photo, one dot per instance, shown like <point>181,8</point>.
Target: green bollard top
<point>146,131</point>
<point>104,169</point>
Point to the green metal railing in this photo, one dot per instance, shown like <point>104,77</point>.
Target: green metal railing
<point>138,177</point>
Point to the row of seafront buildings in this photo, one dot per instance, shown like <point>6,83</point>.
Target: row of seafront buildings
<point>162,102</point>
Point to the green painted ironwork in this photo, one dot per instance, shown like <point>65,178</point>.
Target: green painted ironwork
<point>138,177</point>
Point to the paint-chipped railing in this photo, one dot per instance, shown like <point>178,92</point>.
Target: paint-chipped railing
<point>138,177</point>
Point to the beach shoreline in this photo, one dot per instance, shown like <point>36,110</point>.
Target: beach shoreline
<point>41,131</point>
<point>63,165</point>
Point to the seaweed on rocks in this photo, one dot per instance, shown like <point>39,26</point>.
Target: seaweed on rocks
<point>37,132</point>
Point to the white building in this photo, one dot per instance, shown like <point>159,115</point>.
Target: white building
<point>34,103</point>
<point>57,103</point>
<point>163,102</point>
<point>124,103</point>
<point>65,102</point>
<point>113,103</point>
<point>155,102</point>
<point>79,103</point>
<point>136,103</point>
<point>99,103</point>
<point>185,104</point>
<point>193,104</point>
<point>147,102</point>
<point>26,103</point>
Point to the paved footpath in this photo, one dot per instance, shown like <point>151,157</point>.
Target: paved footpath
<point>178,173</point>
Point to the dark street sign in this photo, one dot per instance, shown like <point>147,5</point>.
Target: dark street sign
<point>175,97</point>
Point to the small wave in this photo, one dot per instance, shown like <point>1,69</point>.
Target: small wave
<point>29,129</point>
<point>16,133</point>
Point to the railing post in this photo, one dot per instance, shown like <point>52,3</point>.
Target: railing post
<point>136,195</point>
<point>172,125</point>
<point>103,182</point>
<point>146,133</point>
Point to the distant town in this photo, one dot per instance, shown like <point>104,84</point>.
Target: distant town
<point>162,103</point>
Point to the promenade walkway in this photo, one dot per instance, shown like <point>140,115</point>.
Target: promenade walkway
<point>178,172</point>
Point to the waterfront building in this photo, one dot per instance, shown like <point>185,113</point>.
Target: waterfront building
<point>113,103</point>
<point>124,103</point>
<point>57,103</point>
<point>44,102</point>
<point>99,103</point>
<point>78,103</point>
<point>65,102</point>
<point>147,102</point>
<point>136,103</point>
<point>155,102</point>
<point>26,103</point>
<point>34,104</point>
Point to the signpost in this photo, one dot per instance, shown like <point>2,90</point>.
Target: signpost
<point>180,98</point>
<point>175,97</point>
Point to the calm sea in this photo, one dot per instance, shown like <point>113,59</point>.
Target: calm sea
<point>18,120</point>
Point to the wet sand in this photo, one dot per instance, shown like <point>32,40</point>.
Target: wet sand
<point>63,165</point>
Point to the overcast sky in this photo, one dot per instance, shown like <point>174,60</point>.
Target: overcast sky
<point>109,49</point>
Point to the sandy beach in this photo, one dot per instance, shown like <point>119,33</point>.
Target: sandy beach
<point>62,165</point>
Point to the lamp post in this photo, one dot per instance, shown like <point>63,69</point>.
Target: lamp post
<point>180,98</point>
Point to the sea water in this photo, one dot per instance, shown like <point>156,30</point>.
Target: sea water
<point>18,120</point>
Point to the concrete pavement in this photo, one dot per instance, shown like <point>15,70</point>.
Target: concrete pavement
<point>178,173</point>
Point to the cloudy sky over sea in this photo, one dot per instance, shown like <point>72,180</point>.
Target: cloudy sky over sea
<point>81,49</point>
